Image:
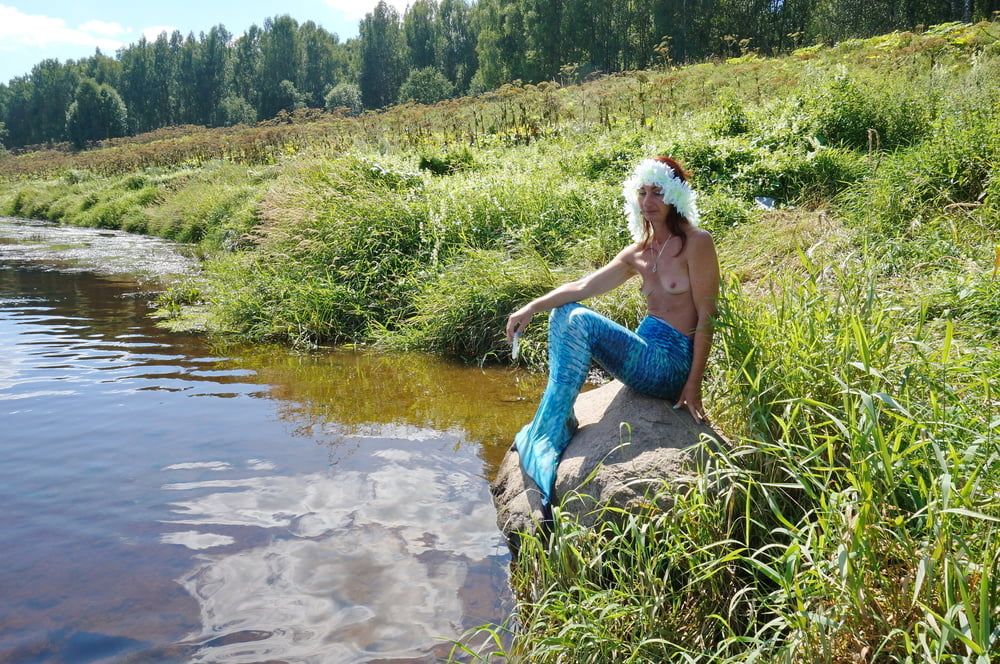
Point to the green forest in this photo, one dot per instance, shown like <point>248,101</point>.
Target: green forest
<point>435,50</point>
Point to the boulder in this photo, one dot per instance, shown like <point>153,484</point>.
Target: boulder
<point>627,445</point>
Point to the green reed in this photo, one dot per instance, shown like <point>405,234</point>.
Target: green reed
<point>853,511</point>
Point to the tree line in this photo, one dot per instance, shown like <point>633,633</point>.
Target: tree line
<point>436,49</point>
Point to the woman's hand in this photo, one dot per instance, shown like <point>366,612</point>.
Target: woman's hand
<point>691,397</point>
<point>518,321</point>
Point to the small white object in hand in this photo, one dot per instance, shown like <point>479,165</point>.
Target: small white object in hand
<point>515,348</point>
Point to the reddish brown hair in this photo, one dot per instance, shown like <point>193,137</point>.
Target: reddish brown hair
<point>675,220</point>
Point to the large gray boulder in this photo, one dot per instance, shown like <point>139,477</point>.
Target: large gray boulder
<point>631,444</point>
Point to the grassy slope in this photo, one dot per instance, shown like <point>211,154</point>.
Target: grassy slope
<point>856,347</point>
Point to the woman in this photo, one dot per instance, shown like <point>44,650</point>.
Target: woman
<point>665,357</point>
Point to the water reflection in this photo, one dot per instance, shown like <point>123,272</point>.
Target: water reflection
<point>74,249</point>
<point>363,564</point>
<point>329,507</point>
<point>344,393</point>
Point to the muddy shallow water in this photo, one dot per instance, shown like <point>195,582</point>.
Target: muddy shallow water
<point>170,500</point>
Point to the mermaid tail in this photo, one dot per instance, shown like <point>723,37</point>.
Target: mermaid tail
<point>655,360</point>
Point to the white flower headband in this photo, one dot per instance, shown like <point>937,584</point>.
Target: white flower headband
<point>676,192</point>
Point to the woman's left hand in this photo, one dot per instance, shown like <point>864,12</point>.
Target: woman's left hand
<point>691,397</point>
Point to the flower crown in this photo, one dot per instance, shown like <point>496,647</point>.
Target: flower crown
<point>676,192</point>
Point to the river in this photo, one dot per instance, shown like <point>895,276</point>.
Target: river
<point>169,499</point>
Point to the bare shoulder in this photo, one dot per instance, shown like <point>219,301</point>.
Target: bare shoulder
<point>700,238</point>
<point>702,258</point>
<point>629,254</point>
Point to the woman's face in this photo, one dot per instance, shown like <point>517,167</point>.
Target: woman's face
<point>651,203</point>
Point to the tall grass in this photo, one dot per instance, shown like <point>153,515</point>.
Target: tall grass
<point>854,513</point>
<point>214,204</point>
<point>463,311</point>
<point>853,516</point>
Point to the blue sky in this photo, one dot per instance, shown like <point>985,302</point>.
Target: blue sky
<point>64,29</point>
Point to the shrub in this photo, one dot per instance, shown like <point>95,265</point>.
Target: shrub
<point>426,86</point>
<point>446,162</point>
<point>729,118</point>
<point>344,95</point>
<point>713,161</point>
<point>867,116</point>
<point>212,207</point>
<point>954,166</point>
<point>349,236</point>
<point>97,112</point>
<point>234,110</point>
<point>720,210</point>
<point>796,177</point>
<point>610,159</point>
<point>462,311</point>
<point>260,298</point>
<point>537,208</point>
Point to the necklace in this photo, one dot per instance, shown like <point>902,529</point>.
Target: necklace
<point>656,261</point>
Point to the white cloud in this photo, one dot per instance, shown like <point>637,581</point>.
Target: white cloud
<point>355,10</point>
<point>105,28</point>
<point>18,29</point>
<point>153,31</point>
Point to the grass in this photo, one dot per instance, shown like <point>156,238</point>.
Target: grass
<point>855,359</point>
<point>854,512</point>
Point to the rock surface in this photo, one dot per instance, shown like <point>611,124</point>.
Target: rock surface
<point>626,460</point>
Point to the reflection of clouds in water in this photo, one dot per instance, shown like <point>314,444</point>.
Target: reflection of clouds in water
<point>259,464</point>
<point>343,599</point>
<point>9,362</point>
<point>354,585</point>
<point>200,465</point>
<point>107,252</point>
<point>192,539</point>
<point>437,499</point>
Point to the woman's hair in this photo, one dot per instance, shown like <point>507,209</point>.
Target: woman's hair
<point>675,221</point>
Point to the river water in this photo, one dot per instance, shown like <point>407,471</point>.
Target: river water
<point>168,500</point>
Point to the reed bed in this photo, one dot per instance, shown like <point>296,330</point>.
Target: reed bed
<point>853,515</point>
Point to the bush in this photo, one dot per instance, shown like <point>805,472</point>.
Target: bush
<point>538,208</point>
<point>344,95</point>
<point>289,98</point>
<point>462,311</point>
<point>426,86</point>
<point>97,112</point>
<point>955,166</point>
<point>344,242</point>
<point>729,118</point>
<point>796,177</point>
<point>720,210</point>
<point>610,158</point>
<point>713,161</point>
<point>217,206</point>
<point>234,110</point>
<point>866,115</point>
<point>446,162</point>
<point>260,298</point>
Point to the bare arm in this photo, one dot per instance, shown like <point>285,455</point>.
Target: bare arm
<point>609,277</point>
<point>703,271</point>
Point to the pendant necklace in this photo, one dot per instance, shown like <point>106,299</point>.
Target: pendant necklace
<point>656,261</point>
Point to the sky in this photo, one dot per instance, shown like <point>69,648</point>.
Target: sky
<point>31,31</point>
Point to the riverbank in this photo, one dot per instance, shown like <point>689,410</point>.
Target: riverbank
<point>856,349</point>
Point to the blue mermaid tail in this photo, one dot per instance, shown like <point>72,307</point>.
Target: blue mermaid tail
<point>654,360</point>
